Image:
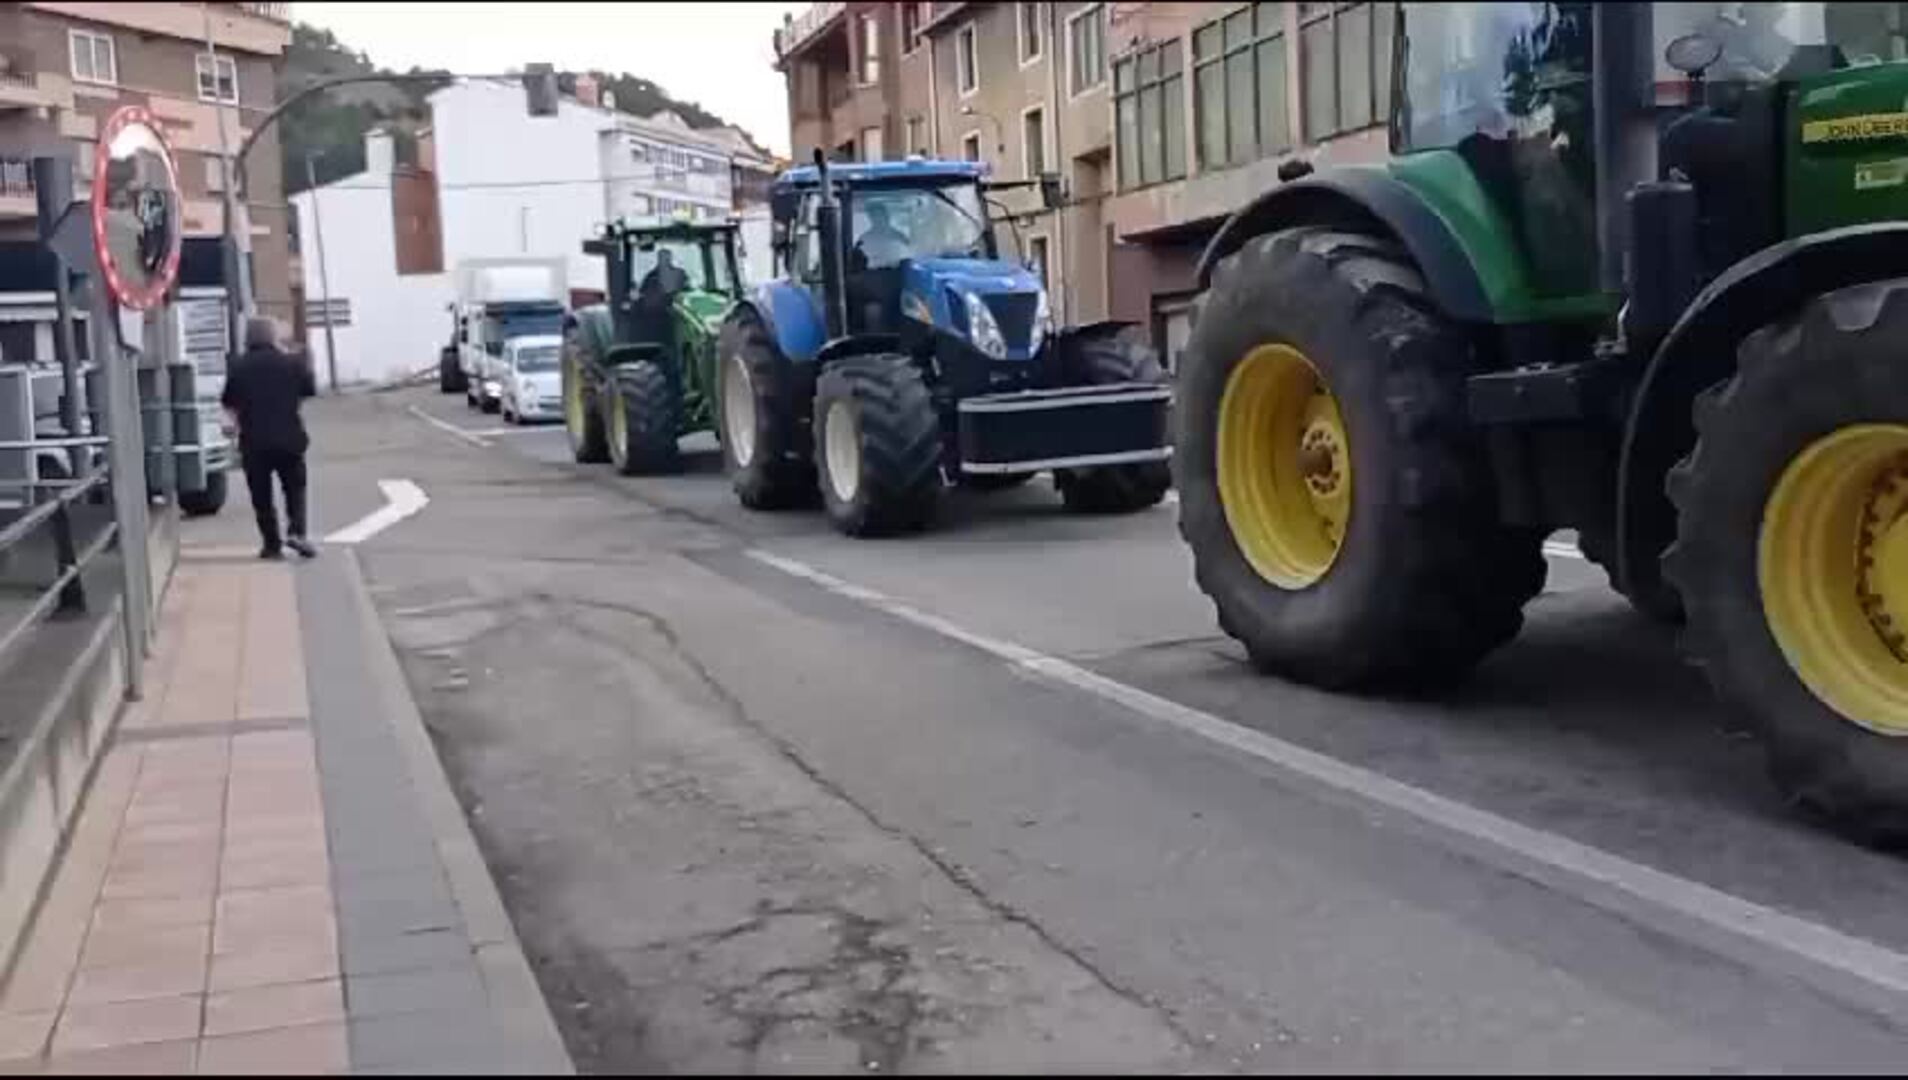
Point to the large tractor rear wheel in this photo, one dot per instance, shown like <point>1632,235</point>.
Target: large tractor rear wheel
<point>642,419</point>
<point>878,445</point>
<point>764,451</point>
<point>1336,497</point>
<point>1096,360</point>
<point>582,419</point>
<point>1791,552</point>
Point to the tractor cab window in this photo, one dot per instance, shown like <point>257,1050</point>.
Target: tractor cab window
<point>1756,39</point>
<point>1507,87</point>
<point>667,267</point>
<point>889,225</point>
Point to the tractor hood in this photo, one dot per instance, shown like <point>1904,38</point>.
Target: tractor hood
<point>998,307</point>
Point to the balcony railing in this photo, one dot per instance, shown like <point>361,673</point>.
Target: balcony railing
<point>275,12</point>
<point>16,177</point>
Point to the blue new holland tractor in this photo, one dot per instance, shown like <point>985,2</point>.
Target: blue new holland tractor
<point>898,352</point>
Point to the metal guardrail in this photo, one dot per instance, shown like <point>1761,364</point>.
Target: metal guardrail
<point>67,592</point>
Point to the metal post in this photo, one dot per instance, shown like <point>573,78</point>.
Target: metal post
<point>161,348</point>
<point>127,453</point>
<point>53,193</point>
<point>324,279</point>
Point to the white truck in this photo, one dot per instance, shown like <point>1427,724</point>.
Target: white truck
<point>500,299</point>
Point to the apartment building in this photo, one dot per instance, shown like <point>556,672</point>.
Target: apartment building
<point>65,67</point>
<point>1160,118</point>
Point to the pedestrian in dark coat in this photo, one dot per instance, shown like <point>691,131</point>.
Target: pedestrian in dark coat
<point>263,391</point>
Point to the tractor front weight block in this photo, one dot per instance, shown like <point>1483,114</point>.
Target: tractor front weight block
<point>1070,428</point>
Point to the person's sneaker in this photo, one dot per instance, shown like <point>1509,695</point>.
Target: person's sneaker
<point>270,553</point>
<point>302,546</point>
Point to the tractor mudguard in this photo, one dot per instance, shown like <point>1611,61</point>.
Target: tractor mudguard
<point>1359,199</point>
<point>792,317</point>
<point>629,352</point>
<point>1064,336</point>
<point>1700,351</point>
<point>857,345</point>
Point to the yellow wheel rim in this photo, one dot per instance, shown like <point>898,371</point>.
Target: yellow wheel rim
<point>1284,463</point>
<point>572,398</point>
<point>619,423</point>
<point>1832,562</point>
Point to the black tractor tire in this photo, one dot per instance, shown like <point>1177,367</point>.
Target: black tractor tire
<point>896,446</point>
<point>780,472</point>
<point>1836,364</point>
<point>1426,581</point>
<point>582,416</point>
<point>450,379</point>
<point>642,420</point>
<point>492,407</point>
<point>208,500</point>
<point>1096,360</point>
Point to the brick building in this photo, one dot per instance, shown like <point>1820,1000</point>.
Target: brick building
<point>1160,118</point>
<point>64,67</point>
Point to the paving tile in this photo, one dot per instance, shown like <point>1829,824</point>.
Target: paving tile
<point>265,1007</point>
<point>100,1027</point>
<point>23,1035</point>
<point>457,988</point>
<point>179,832</point>
<point>138,982</point>
<point>143,856</point>
<point>121,946</point>
<point>415,1040</point>
<point>174,1058</point>
<point>177,883</point>
<point>375,954</point>
<point>305,962</point>
<point>306,866</point>
<point>115,915</point>
<point>313,1048</point>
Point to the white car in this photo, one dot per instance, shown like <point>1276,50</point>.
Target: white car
<point>530,379</point>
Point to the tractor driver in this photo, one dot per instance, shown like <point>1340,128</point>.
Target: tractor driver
<point>663,281</point>
<point>881,244</point>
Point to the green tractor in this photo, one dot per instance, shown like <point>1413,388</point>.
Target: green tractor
<point>1662,303</point>
<point>638,370</point>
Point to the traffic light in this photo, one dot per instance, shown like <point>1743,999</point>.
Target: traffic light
<point>540,89</point>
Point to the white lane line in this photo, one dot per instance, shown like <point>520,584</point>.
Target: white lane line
<point>1563,549</point>
<point>469,436</point>
<point>401,499</point>
<point>1865,972</point>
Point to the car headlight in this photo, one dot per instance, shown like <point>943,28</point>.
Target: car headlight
<point>982,328</point>
<point>1042,322</point>
<point>493,388</point>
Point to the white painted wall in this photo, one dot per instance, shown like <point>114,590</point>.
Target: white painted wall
<point>511,184</point>
<point>398,322</point>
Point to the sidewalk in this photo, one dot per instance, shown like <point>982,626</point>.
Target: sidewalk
<point>271,875</point>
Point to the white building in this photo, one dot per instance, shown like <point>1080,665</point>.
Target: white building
<point>385,324</point>
<point>507,184</point>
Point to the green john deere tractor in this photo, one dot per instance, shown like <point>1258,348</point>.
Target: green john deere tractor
<point>1636,270</point>
<point>638,371</point>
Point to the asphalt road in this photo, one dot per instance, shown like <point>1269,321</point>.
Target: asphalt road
<point>999,796</point>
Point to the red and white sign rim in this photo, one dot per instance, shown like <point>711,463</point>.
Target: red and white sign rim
<point>132,295</point>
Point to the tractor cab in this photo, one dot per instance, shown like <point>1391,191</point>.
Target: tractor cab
<point>658,274</point>
<point>918,258</point>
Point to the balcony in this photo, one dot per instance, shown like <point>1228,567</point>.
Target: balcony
<point>19,85</point>
<point>16,189</point>
<point>274,12</point>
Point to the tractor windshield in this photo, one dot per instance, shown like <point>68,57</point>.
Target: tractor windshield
<point>893,224</point>
<point>702,265</point>
<point>1756,39</point>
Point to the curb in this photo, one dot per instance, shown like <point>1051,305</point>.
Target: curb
<point>516,1001</point>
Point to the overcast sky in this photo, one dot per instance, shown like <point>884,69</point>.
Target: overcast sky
<point>716,55</point>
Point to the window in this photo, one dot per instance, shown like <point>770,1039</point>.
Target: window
<point>1239,98</point>
<point>917,135</point>
<point>966,61</point>
<point>1149,115</point>
<point>868,31</point>
<point>1086,50</point>
<point>93,58</point>
<point>1033,141</point>
<point>1028,19</point>
<point>911,20</point>
<point>871,148</point>
<point>1345,56</point>
<point>1037,258</point>
<point>218,78</point>
<point>971,146</point>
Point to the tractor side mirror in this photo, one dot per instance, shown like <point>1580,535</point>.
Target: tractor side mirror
<point>596,247</point>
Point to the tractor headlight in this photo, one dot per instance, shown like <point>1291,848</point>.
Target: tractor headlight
<point>1042,322</point>
<point>493,388</point>
<point>982,328</point>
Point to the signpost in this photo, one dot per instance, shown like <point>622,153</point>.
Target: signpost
<point>136,232</point>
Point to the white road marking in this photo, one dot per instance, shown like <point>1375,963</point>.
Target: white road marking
<point>469,436</point>
<point>1562,549</point>
<point>401,499</point>
<point>1852,968</point>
